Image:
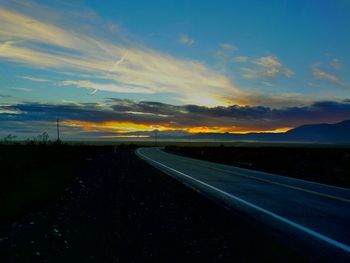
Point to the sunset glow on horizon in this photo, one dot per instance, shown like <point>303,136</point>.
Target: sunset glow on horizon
<point>128,127</point>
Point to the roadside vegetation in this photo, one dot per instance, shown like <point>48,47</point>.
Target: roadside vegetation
<point>319,164</point>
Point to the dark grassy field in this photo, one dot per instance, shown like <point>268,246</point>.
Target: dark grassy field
<point>118,208</point>
<point>320,164</point>
<point>33,175</point>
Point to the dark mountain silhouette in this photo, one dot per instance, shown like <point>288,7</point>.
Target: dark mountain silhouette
<point>314,133</point>
<point>338,132</point>
<point>319,133</point>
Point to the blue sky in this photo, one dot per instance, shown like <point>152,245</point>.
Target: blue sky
<point>275,54</point>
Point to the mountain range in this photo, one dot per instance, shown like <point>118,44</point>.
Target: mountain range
<point>317,133</point>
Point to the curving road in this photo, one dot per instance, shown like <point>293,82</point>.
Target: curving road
<point>314,214</point>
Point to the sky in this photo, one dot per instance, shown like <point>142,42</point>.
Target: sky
<point>123,68</point>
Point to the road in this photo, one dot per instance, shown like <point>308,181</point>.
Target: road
<point>311,213</point>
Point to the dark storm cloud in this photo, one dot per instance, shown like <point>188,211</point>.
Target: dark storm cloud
<point>22,117</point>
<point>50,112</point>
<point>156,108</point>
<point>246,116</point>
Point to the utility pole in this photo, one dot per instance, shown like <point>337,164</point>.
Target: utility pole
<point>58,130</point>
<point>155,137</point>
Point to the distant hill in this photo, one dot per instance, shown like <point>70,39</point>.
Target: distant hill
<point>319,133</point>
<point>314,133</point>
<point>338,132</point>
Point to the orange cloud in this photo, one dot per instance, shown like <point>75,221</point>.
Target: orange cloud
<point>115,126</point>
<point>128,127</point>
<point>231,129</point>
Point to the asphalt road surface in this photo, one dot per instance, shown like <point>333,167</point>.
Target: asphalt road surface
<point>316,215</point>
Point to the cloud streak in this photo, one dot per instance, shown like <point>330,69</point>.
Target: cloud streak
<point>318,73</point>
<point>241,59</point>
<point>186,40</point>
<point>225,52</point>
<point>35,79</point>
<point>45,45</point>
<point>105,87</point>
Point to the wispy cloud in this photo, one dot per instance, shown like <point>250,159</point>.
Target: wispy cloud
<point>241,59</point>
<point>270,66</point>
<point>116,64</point>
<point>186,40</point>
<point>288,72</point>
<point>336,64</point>
<point>104,86</point>
<point>249,73</point>
<point>23,89</point>
<point>113,28</point>
<point>319,73</point>
<point>142,69</point>
<point>267,67</point>
<point>229,46</point>
<point>225,51</point>
<point>35,79</point>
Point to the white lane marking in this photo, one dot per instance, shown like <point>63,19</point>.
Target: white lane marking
<point>260,209</point>
<point>273,182</point>
<point>294,179</point>
<point>282,184</point>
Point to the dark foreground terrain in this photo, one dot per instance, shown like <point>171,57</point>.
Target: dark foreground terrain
<point>120,209</point>
<point>319,164</point>
<point>35,174</point>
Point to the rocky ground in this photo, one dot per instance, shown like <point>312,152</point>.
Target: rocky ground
<point>120,209</point>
